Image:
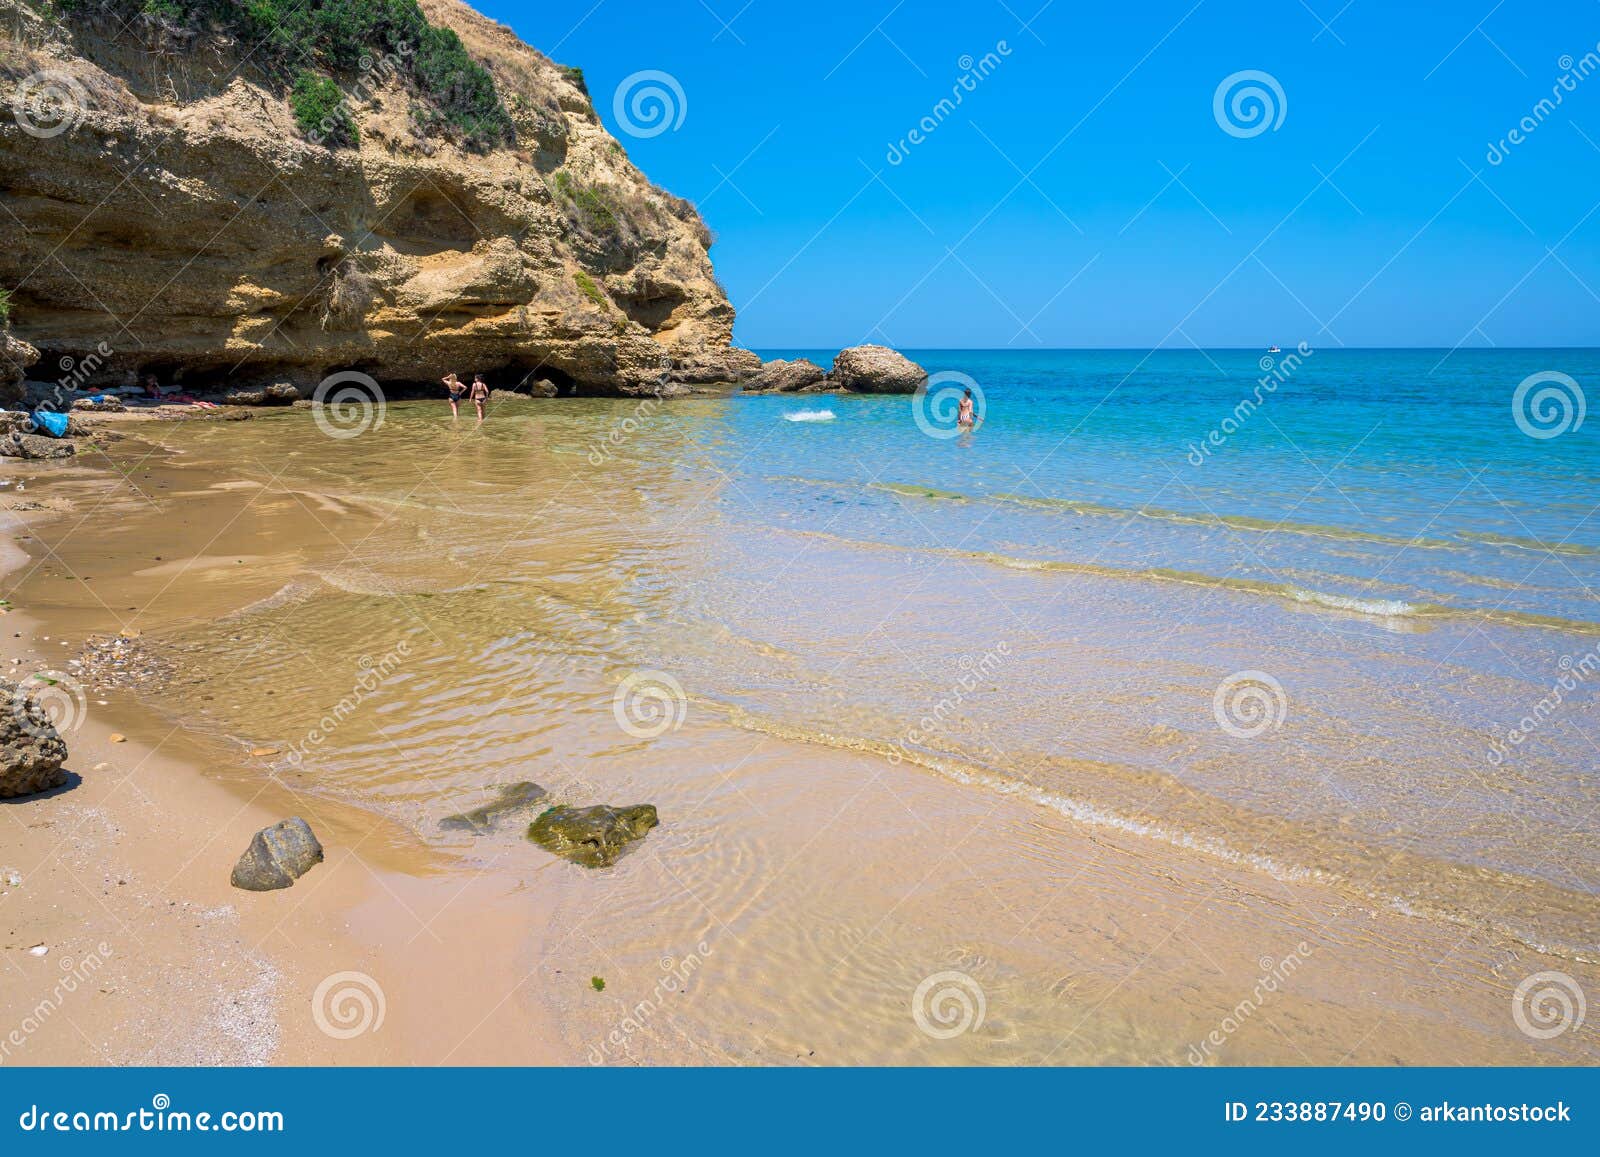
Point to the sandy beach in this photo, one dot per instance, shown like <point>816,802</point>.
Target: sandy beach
<point>802,903</point>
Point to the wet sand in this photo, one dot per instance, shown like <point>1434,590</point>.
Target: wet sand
<point>801,903</point>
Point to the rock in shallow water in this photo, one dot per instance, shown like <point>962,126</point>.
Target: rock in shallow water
<point>513,798</point>
<point>277,856</point>
<point>876,369</point>
<point>592,836</point>
<point>31,751</point>
<point>800,375</point>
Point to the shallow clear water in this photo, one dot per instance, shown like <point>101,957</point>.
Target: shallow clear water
<point>1306,655</point>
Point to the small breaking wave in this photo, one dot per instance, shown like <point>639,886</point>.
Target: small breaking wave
<point>1384,608</point>
<point>1389,609</point>
<point>1419,886</point>
<point>809,416</point>
<point>1571,549</point>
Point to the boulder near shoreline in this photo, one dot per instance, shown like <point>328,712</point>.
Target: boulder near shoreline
<point>862,369</point>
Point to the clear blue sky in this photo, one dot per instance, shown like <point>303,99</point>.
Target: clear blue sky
<point>1083,193</point>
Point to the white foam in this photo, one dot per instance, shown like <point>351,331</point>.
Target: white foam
<point>1388,608</point>
<point>809,416</point>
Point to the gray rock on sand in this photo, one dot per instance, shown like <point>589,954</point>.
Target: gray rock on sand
<point>277,857</point>
<point>19,445</point>
<point>512,798</point>
<point>789,377</point>
<point>876,369</point>
<point>31,751</point>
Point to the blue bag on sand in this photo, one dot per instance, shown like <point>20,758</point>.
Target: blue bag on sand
<point>51,423</point>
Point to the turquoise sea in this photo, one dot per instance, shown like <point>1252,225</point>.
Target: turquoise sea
<point>1397,482</point>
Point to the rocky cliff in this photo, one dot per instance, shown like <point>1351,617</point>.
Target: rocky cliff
<point>163,212</point>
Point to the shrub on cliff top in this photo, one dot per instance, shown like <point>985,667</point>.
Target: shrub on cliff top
<point>349,36</point>
<point>320,112</point>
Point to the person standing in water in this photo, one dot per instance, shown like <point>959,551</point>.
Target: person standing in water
<point>457,391</point>
<point>964,412</point>
<point>480,393</point>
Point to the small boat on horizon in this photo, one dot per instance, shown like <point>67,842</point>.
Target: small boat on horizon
<point>1274,350</point>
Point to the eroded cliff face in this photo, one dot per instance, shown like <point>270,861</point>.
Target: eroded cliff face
<point>172,213</point>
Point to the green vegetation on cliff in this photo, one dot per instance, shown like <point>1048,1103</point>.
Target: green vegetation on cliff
<point>319,110</point>
<point>5,308</point>
<point>456,95</point>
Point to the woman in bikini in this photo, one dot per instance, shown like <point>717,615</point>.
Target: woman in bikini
<point>457,392</point>
<point>480,393</point>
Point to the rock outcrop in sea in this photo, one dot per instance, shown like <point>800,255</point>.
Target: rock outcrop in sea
<point>862,369</point>
<point>170,215</point>
<point>876,369</point>
<point>789,377</point>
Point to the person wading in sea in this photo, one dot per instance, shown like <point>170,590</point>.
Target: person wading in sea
<point>964,415</point>
<point>457,391</point>
<point>480,393</point>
